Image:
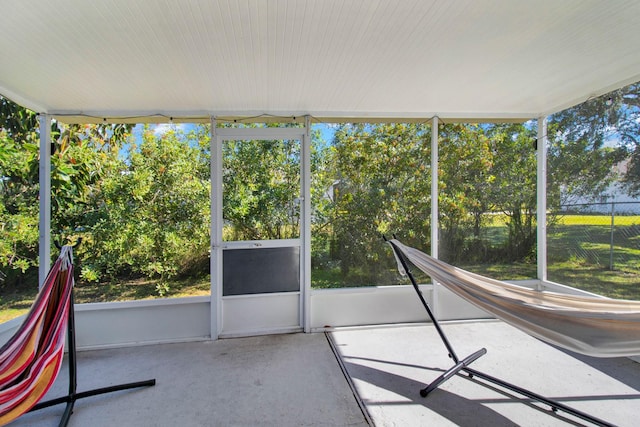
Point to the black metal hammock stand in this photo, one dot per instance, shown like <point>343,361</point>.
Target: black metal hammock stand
<point>73,395</point>
<point>463,364</point>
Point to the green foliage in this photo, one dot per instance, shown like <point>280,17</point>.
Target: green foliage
<point>77,155</point>
<point>261,189</point>
<point>18,123</point>
<point>588,140</point>
<point>146,213</point>
<point>513,190</point>
<point>380,184</point>
<point>18,212</point>
<point>466,160</point>
<point>143,209</point>
<point>89,274</point>
<point>151,211</point>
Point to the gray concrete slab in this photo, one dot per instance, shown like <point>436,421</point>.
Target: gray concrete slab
<point>389,365</point>
<point>295,380</point>
<point>280,380</point>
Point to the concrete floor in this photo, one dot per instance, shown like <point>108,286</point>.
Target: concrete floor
<point>296,380</point>
<point>279,380</point>
<point>388,367</point>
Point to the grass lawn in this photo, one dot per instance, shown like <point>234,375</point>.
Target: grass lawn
<point>579,255</point>
<point>585,252</point>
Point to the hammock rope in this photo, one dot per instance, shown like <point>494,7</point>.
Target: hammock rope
<point>590,325</point>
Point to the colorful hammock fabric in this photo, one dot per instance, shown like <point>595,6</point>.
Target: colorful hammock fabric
<point>31,359</point>
<point>595,326</point>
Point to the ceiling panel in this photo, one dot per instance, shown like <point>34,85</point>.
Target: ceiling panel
<point>482,59</point>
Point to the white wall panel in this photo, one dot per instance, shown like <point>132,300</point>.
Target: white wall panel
<point>367,306</point>
<point>142,322</point>
<point>255,314</point>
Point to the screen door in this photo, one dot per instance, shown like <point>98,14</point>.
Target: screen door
<point>260,232</point>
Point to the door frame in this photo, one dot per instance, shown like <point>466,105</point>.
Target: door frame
<point>218,136</point>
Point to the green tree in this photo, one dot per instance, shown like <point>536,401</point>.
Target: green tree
<point>151,210</point>
<point>18,212</point>
<point>513,190</point>
<point>588,140</point>
<point>261,181</point>
<point>77,153</point>
<point>382,185</point>
<point>382,181</point>
<point>466,160</point>
<point>18,193</point>
<point>19,123</point>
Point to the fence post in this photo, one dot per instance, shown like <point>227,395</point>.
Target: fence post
<point>613,209</point>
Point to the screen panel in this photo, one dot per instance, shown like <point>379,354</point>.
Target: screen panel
<point>264,270</point>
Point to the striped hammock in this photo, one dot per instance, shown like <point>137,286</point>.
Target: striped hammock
<point>31,359</point>
<point>595,326</point>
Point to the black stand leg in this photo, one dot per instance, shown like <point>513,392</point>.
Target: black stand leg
<point>462,365</point>
<point>452,371</point>
<point>72,396</point>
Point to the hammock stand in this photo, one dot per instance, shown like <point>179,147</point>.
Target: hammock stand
<point>73,395</point>
<point>463,364</point>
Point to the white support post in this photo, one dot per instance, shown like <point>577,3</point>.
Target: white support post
<point>434,206</point>
<point>434,188</point>
<point>306,226</point>
<point>541,184</point>
<point>216,231</point>
<point>44,230</point>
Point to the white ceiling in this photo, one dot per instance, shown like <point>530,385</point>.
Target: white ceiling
<point>332,59</point>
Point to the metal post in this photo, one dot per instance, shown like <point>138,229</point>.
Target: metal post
<point>44,230</point>
<point>541,188</point>
<point>306,226</point>
<point>216,231</point>
<point>613,213</point>
<point>435,225</point>
<point>434,188</point>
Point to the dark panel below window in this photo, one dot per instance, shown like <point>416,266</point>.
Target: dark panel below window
<point>258,271</point>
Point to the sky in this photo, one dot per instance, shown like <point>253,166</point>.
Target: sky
<point>327,130</point>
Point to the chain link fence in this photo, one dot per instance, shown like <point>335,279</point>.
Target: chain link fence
<point>596,247</point>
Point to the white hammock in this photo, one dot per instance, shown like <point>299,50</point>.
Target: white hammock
<point>594,326</point>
